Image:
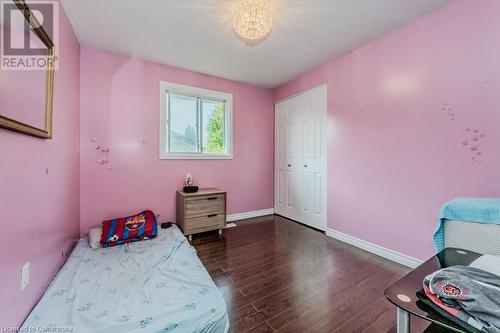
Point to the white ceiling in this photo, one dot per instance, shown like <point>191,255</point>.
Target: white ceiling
<point>198,34</point>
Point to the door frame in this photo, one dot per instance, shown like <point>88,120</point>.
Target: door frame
<point>325,84</point>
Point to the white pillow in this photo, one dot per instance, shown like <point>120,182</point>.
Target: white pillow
<point>94,236</point>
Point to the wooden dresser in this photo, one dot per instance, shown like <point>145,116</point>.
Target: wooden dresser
<point>202,211</point>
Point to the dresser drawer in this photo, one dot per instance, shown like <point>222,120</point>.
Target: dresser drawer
<point>202,206</point>
<point>204,223</point>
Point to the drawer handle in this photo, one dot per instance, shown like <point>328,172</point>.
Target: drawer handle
<point>212,198</point>
<point>212,215</point>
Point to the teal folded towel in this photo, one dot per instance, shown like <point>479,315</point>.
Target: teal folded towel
<point>481,210</point>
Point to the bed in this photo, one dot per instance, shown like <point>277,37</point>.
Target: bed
<point>158,285</point>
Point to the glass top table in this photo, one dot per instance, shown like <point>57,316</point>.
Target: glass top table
<point>403,293</point>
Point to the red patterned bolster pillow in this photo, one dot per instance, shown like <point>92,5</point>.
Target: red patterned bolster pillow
<point>133,228</point>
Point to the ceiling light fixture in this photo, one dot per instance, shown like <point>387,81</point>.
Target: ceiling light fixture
<point>252,21</point>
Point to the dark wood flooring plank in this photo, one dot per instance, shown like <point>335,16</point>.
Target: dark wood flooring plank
<point>340,306</point>
<point>278,275</point>
<point>262,328</point>
<point>359,322</point>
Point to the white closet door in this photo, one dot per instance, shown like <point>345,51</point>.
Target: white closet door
<point>300,192</point>
<point>287,153</point>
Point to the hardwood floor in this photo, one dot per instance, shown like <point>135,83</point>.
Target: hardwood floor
<point>280,276</point>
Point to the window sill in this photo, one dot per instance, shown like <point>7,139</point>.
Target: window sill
<point>194,157</point>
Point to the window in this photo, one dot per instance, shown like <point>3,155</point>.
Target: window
<point>194,123</point>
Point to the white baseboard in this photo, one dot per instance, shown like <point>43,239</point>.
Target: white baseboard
<point>248,215</point>
<point>398,257</point>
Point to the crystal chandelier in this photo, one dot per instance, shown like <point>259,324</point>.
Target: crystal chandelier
<point>252,21</point>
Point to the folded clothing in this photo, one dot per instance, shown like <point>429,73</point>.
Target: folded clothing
<point>468,293</point>
<point>488,262</point>
<point>424,298</point>
<point>133,228</point>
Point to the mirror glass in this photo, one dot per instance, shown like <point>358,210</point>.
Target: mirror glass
<point>23,90</point>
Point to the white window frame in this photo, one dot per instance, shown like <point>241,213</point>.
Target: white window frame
<point>173,88</point>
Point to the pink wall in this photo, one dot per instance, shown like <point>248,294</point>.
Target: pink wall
<point>40,209</point>
<point>119,112</point>
<point>402,112</point>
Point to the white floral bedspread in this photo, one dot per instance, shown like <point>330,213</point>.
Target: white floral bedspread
<point>157,285</point>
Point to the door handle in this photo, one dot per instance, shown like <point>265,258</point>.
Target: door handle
<point>212,215</point>
<point>212,198</point>
<point>305,165</point>
<point>289,165</point>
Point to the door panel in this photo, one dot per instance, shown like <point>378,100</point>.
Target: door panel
<point>306,135</point>
<point>318,138</point>
<point>289,190</point>
<point>318,193</point>
<point>280,187</point>
<point>306,191</point>
<point>280,141</point>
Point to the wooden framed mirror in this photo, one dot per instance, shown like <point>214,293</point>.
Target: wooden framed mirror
<point>26,95</point>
